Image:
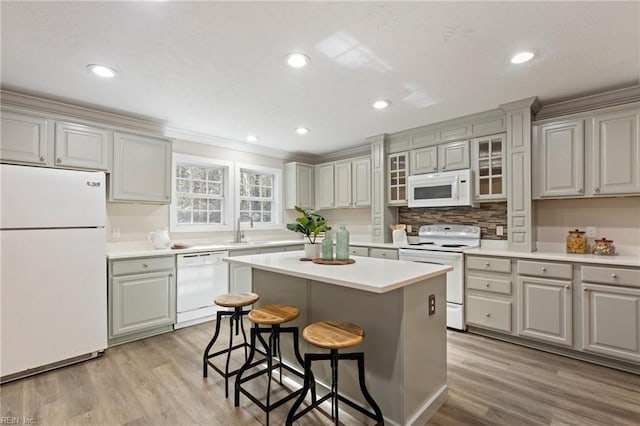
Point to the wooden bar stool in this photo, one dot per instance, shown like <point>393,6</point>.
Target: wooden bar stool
<point>272,316</point>
<point>334,335</point>
<point>236,301</point>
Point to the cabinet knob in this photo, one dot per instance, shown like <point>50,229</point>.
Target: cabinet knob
<point>580,189</point>
<point>487,285</point>
<point>567,287</point>
<point>384,254</point>
<point>58,160</point>
<point>170,274</point>
<point>444,167</point>
<point>487,315</point>
<point>544,269</point>
<point>614,276</point>
<point>42,158</point>
<point>487,264</point>
<point>145,265</point>
<point>596,189</point>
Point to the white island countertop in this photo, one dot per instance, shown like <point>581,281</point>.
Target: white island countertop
<point>368,274</point>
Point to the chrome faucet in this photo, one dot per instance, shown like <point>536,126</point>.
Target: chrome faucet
<point>239,233</point>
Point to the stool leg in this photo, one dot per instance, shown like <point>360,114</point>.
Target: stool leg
<point>334,385</point>
<point>273,336</point>
<point>226,367</point>
<point>365,392</point>
<point>236,402</point>
<point>205,359</point>
<point>244,335</point>
<point>303,363</point>
<point>305,389</point>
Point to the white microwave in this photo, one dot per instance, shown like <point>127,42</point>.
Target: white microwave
<point>446,189</point>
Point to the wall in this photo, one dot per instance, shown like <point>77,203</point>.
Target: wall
<point>487,217</point>
<point>617,219</point>
<point>135,221</point>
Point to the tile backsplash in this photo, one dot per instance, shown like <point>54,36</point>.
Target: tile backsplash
<point>487,217</point>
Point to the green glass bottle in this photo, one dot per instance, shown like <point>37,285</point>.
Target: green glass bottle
<point>327,247</point>
<point>342,243</point>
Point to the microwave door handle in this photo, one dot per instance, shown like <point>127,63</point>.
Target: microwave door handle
<point>456,188</point>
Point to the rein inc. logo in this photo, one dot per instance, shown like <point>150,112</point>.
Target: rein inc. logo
<point>5,420</point>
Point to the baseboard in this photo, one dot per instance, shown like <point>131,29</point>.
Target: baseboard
<point>430,407</point>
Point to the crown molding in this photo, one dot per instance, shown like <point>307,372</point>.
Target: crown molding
<point>586,103</point>
<point>532,103</point>
<point>355,151</point>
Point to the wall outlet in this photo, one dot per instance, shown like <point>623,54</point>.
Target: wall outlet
<point>499,230</point>
<point>408,228</point>
<point>115,233</point>
<point>432,304</point>
<point>591,231</point>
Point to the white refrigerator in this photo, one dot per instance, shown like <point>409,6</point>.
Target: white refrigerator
<point>53,279</point>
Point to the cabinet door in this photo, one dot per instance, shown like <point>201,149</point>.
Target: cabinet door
<point>545,310</point>
<point>616,153</point>
<point>611,321</point>
<point>453,156</point>
<point>324,186</point>
<point>305,188</point>
<point>559,159</point>
<point>342,184</point>
<point>141,169</point>
<point>397,172</point>
<point>81,146</point>
<point>240,279</point>
<point>142,302</point>
<point>23,138</point>
<point>361,183</point>
<point>423,160</point>
<point>489,166</point>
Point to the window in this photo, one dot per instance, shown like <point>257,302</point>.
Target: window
<point>201,196</point>
<point>259,195</point>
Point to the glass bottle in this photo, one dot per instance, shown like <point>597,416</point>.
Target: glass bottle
<point>342,243</point>
<point>327,247</point>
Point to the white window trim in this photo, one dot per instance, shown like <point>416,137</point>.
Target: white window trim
<point>228,190</point>
<point>277,195</point>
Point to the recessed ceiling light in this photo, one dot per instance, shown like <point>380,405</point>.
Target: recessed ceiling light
<point>522,57</point>
<point>381,104</point>
<point>252,138</point>
<point>102,70</point>
<point>297,60</point>
<point>302,130</point>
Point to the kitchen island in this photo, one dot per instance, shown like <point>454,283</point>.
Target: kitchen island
<point>405,346</point>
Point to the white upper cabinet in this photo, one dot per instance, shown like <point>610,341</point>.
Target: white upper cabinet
<point>397,173</point>
<point>324,186</point>
<point>453,156</point>
<point>616,153</point>
<point>24,138</point>
<point>81,146</point>
<point>342,184</point>
<point>558,157</point>
<point>424,160</point>
<point>299,186</point>
<point>141,169</point>
<point>361,185</point>
<point>488,164</point>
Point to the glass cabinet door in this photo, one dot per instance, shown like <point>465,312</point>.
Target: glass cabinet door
<point>489,157</point>
<point>397,172</point>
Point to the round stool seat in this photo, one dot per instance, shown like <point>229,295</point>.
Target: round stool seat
<point>273,314</point>
<point>236,300</point>
<point>333,334</point>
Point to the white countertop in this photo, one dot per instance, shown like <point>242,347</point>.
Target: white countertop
<point>368,274</point>
<point>559,256</point>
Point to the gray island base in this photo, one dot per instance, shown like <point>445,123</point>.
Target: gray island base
<point>404,346</point>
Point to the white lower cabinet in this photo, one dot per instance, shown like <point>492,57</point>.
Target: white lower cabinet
<point>611,312</point>
<point>489,293</point>
<point>141,298</point>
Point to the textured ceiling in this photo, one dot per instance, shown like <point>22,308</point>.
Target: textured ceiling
<point>217,68</point>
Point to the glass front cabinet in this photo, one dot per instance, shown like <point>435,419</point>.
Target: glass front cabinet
<point>398,170</point>
<point>489,167</point>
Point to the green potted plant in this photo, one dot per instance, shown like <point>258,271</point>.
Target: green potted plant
<point>310,224</point>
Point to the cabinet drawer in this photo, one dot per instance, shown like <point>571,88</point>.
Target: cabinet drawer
<point>489,313</point>
<point>618,276</point>
<point>383,253</point>
<point>489,284</point>
<point>489,264</point>
<point>545,269</point>
<point>359,251</point>
<point>137,266</point>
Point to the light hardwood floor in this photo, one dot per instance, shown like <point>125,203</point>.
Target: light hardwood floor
<point>158,381</point>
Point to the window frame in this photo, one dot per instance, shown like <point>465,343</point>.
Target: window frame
<point>228,194</point>
<point>277,191</point>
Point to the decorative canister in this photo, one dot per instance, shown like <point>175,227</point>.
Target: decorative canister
<point>577,242</point>
<point>604,247</point>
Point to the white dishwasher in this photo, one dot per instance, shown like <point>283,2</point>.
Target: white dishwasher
<point>200,278</point>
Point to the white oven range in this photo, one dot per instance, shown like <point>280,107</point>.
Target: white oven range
<point>443,245</point>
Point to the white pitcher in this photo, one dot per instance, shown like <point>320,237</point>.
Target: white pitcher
<point>159,239</point>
